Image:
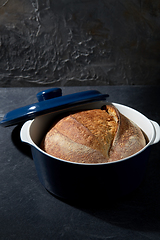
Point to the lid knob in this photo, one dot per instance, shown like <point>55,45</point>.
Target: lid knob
<point>49,94</point>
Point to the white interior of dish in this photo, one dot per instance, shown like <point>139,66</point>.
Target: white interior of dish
<point>41,124</point>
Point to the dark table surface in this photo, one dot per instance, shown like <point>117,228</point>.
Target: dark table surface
<point>29,211</point>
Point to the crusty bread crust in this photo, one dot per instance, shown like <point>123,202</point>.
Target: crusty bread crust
<point>128,139</point>
<point>93,136</point>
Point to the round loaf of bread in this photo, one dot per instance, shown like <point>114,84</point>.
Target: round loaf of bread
<point>94,136</point>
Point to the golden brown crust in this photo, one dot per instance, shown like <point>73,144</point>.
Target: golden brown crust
<point>64,148</point>
<point>128,140</point>
<point>93,136</point>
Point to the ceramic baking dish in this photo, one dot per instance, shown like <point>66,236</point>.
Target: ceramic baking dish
<point>75,181</point>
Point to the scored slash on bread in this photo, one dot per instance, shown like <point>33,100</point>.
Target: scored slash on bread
<point>94,136</point>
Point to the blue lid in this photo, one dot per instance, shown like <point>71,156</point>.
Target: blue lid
<point>50,100</point>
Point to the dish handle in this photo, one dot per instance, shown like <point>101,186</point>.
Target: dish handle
<point>157,131</point>
<point>24,133</point>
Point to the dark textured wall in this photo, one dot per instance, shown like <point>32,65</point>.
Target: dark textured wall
<point>79,42</point>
